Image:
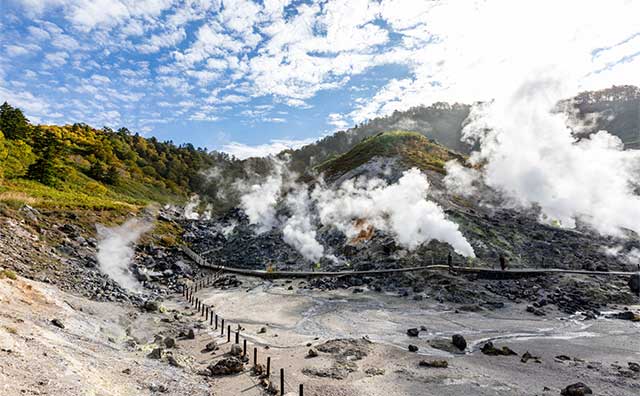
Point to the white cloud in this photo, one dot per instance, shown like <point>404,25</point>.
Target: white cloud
<point>156,42</point>
<point>56,59</point>
<point>241,150</point>
<point>338,121</point>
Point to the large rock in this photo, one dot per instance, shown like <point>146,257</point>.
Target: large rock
<point>577,389</point>
<point>227,366</point>
<point>434,363</point>
<point>489,349</point>
<point>413,332</point>
<point>459,342</point>
<point>211,346</point>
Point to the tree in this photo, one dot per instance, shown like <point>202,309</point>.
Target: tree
<point>48,148</point>
<point>13,123</point>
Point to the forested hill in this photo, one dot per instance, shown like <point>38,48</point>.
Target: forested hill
<point>80,165</point>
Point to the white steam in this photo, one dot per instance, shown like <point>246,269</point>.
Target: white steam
<point>530,156</point>
<point>190,208</point>
<point>259,200</point>
<point>400,209</point>
<point>460,179</point>
<point>115,250</point>
<point>298,230</point>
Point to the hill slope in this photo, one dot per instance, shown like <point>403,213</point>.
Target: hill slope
<point>412,149</point>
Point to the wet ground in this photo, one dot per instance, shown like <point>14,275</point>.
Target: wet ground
<point>599,350</point>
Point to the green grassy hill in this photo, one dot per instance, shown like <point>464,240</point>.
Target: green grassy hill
<point>411,148</point>
<point>80,166</point>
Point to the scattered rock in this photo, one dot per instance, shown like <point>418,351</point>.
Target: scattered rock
<point>413,348</point>
<point>527,356</point>
<point>58,323</point>
<point>634,367</point>
<point>155,354</point>
<point>170,342</point>
<point>158,388</point>
<point>211,346</point>
<point>191,334</point>
<point>489,349</point>
<point>577,389</point>
<point>535,311</point>
<point>227,366</point>
<point>262,330</point>
<point>444,344</point>
<point>174,361</point>
<point>126,371</point>
<point>459,342</point>
<point>413,332</point>
<point>434,363</point>
<point>312,353</point>
<point>626,315</point>
<point>152,305</point>
<point>374,371</point>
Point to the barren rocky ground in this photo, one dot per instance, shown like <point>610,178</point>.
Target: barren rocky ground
<point>67,329</point>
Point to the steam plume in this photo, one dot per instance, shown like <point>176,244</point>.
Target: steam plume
<point>530,156</point>
<point>400,209</point>
<point>298,230</point>
<point>115,250</point>
<point>259,200</point>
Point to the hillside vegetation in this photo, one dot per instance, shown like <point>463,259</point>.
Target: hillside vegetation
<point>80,166</point>
<point>411,148</point>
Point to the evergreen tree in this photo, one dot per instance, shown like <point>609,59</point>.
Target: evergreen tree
<point>13,123</point>
<point>49,149</point>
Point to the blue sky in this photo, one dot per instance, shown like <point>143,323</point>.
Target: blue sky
<point>254,77</point>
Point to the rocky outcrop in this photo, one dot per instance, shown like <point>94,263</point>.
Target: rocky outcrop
<point>226,366</point>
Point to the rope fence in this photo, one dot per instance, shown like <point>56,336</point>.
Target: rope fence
<point>216,321</point>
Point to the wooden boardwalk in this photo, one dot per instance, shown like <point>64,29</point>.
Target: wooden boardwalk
<point>486,273</point>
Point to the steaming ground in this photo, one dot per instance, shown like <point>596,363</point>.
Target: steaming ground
<point>116,250</point>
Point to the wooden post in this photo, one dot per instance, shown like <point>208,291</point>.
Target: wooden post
<point>228,333</point>
<point>216,322</point>
<point>222,328</point>
<point>301,390</point>
<point>282,382</point>
<point>268,373</point>
<point>255,356</point>
<point>244,348</point>
<point>211,317</point>
<point>237,336</point>
<point>206,313</point>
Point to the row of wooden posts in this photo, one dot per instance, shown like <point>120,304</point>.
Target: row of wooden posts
<point>215,320</point>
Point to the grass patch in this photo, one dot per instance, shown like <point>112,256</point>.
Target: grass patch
<point>6,273</point>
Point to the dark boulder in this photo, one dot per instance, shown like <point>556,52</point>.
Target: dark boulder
<point>58,323</point>
<point>413,348</point>
<point>577,389</point>
<point>413,332</point>
<point>227,366</point>
<point>459,342</point>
